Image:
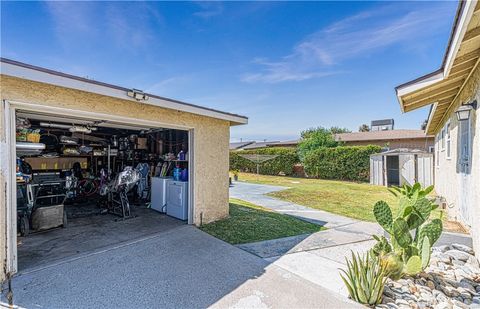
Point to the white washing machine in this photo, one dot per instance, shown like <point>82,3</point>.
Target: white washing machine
<point>177,199</point>
<point>159,193</point>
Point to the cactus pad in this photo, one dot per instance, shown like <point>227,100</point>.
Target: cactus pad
<point>402,233</point>
<point>423,208</point>
<point>432,230</point>
<point>425,252</point>
<point>413,266</point>
<point>383,215</point>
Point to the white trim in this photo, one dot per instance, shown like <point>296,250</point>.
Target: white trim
<point>430,116</point>
<point>43,109</point>
<point>466,16</point>
<point>10,193</point>
<point>62,81</point>
<point>463,22</point>
<point>448,141</point>
<point>420,84</point>
<point>442,139</point>
<point>191,176</point>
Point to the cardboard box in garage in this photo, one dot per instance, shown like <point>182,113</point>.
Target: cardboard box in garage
<point>62,163</point>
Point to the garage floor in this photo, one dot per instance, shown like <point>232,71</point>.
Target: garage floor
<point>88,234</point>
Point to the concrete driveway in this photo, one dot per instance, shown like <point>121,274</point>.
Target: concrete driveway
<point>179,268</point>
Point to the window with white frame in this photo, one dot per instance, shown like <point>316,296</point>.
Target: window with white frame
<point>437,145</point>
<point>442,139</point>
<point>465,145</point>
<point>448,141</point>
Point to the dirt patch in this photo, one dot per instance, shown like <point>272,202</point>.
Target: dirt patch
<point>454,226</point>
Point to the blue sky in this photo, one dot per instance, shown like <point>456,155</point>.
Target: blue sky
<point>287,66</point>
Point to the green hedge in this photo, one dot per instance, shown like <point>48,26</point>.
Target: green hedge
<point>342,163</point>
<point>283,164</point>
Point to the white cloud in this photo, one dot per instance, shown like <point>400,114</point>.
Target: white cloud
<point>168,85</point>
<point>71,17</point>
<point>320,53</point>
<point>209,9</point>
<point>125,24</point>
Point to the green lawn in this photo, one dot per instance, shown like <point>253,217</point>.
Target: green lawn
<point>250,223</point>
<point>350,199</point>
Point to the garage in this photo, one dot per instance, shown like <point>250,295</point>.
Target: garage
<point>70,170</point>
<point>90,165</point>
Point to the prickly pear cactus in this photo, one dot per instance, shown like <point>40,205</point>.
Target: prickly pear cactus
<point>432,230</point>
<point>402,233</point>
<point>423,207</point>
<point>413,265</point>
<point>413,214</point>
<point>383,215</point>
<point>382,247</point>
<point>393,265</point>
<point>426,249</point>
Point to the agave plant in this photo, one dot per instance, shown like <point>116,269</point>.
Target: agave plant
<point>365,278</point>
<point>412,252</point>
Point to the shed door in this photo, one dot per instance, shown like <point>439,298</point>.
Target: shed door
<point>425,170</point>
<point>376,170</point>
<point>407,169</point>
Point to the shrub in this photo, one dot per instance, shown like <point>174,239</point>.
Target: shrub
<point>342,163</point>
<point>282,164</point>
<point>365,278</point>
<point>407,251</point>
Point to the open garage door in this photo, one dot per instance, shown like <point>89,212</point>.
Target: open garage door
<point>85,181</point>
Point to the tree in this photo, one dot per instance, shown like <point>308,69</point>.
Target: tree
<point>424,124</point>
<point>315,138</point>
<point>364,128</point>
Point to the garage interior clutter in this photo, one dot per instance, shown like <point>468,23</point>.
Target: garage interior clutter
<point>72,169</point>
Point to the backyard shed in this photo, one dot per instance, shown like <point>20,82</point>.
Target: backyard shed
<point>401,166</point>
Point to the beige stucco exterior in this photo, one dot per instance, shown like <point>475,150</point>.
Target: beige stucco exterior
<point>458,189</point>
<point>211,140</point>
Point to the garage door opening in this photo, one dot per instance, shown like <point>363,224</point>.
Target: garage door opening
<point>85,184</point>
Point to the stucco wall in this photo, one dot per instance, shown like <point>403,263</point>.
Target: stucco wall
<point>412,143</point>
<point>211,139</point>
<point>462,190</point>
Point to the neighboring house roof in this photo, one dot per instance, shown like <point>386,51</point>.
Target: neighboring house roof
<point>381,135</point>
<point>239,145</point>
<point>43,75</point>
<point>284,143</point>
<point>443,86</point>
<point>257,145</point>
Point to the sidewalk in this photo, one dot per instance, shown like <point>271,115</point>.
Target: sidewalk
<point>315,257</point>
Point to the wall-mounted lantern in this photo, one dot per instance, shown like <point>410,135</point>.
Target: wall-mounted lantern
<point>463,112</point>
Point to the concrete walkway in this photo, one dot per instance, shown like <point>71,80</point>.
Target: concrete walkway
<point>341,230</point>
<point>316,257</point>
